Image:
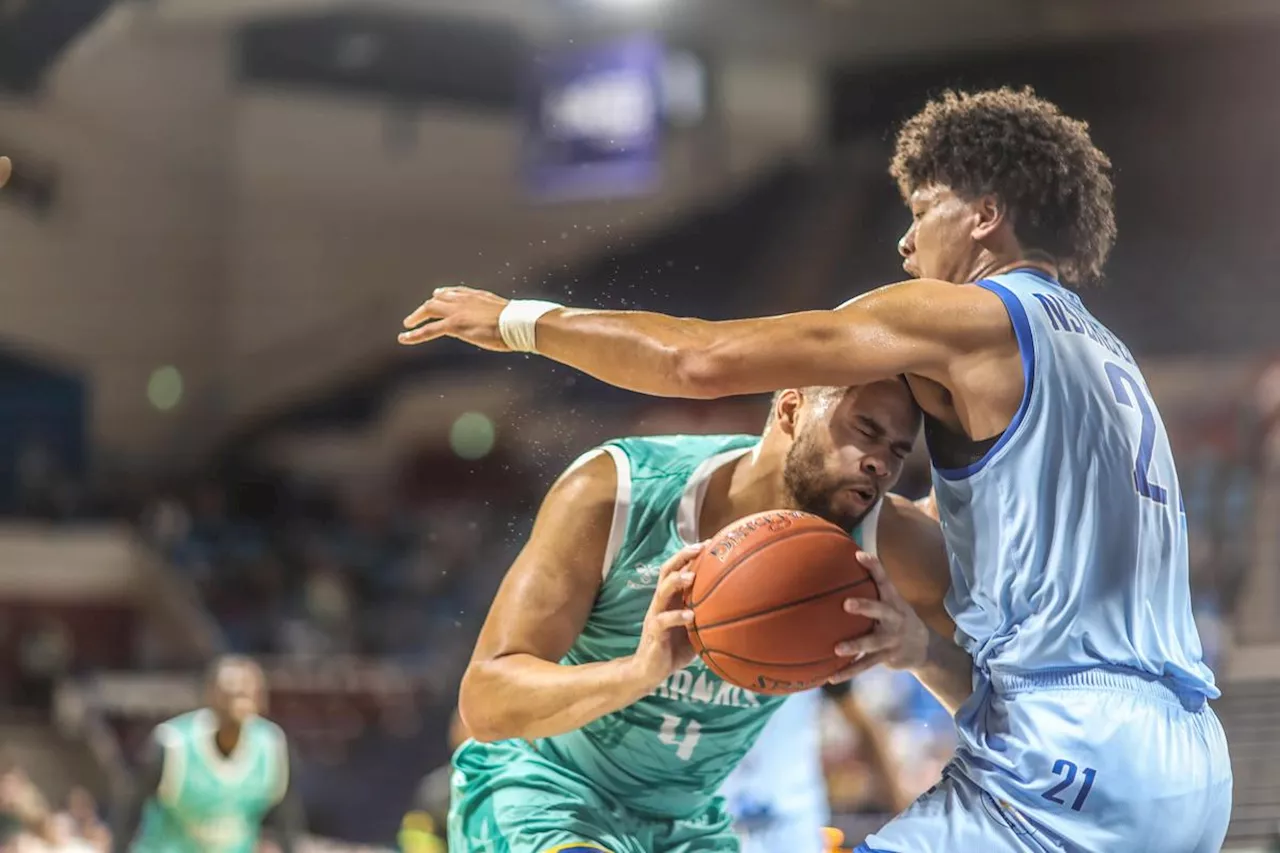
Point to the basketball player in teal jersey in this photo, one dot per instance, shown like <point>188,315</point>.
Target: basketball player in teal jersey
<point>1076,670</point>
<point>211,778</point>
<point>595,727</point>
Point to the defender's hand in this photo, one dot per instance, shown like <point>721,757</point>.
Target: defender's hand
<point>664,642</point>
<point>900,639</point>
<point>6,169</point>
<point>457,312</point>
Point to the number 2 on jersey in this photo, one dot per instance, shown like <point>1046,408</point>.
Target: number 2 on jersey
<point>684,743</point>
<point>1129,392</point>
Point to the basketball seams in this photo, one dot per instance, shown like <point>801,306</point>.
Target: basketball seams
<point>760,546</point>
<point>772,664</point>
<point>778,608</point>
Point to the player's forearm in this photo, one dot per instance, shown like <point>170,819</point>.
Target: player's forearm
<point>678,357</point>
<point>522,696</point>
<point>947,672</point>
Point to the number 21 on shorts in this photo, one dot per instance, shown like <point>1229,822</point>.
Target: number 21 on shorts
<point>1068,769</point>
<point>683,740</point>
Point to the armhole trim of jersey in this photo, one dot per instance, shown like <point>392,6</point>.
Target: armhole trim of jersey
<point>173,765</point>
<point>870,527</point>
<point>621,507</point>
<point>1027,349</point>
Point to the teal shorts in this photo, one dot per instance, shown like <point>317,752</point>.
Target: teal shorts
<point>507,798</point>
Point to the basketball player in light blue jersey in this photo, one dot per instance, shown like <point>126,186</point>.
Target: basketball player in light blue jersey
<point>1076,673</point>
<point>595,727</point>
<point>778,796</point>
<point>210,779</point>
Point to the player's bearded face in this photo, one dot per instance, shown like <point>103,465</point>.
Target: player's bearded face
<point>815,488</point>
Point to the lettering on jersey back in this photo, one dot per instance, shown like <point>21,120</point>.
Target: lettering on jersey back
<point>1066,318</point>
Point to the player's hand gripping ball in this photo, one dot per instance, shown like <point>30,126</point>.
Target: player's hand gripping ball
<point>768,601</point>
<point>664,644</point>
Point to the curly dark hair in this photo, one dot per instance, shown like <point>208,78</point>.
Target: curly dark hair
<point>1041,164</point>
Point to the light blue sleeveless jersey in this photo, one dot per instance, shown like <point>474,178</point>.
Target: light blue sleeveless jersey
<point>1068,540</point>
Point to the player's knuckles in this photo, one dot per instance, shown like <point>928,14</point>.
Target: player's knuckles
<point>668,586</point>
<point>671,619</point>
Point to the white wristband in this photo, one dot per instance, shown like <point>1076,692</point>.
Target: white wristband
<point>517,324</point>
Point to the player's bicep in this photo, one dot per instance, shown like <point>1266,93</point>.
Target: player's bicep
<point>916,327</point>
<point>548,593</point>
<point>926,328</point>
<point>914,554</point>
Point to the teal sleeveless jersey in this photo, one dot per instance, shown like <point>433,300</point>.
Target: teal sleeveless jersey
<point>210,802</point>
<point>666,755</point>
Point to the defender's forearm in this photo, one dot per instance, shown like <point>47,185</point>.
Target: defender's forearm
<point>947,672</point>
<point>700,359</point>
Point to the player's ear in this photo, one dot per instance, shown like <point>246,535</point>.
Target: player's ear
<point>989,214</point>
<point>786,410</point>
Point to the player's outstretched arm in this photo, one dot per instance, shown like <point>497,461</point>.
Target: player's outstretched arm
<point>515,686</point>
<point>6,169</point>
<point>918,327</point>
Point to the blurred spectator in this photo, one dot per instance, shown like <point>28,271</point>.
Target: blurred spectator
<point>44,655</point>
<point>27,825</point>
<point>81,820</point>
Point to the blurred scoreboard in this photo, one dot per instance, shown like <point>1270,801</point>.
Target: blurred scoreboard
<point>597,115</point>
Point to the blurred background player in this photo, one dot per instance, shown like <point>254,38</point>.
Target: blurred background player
<point>777,795</point>
<point>595,726</point>
<point>212,778</point>
<point>1043,438</point>
<point>428,818</point>
<point>6,169</point>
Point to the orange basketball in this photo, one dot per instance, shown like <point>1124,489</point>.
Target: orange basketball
<point>768,601</point>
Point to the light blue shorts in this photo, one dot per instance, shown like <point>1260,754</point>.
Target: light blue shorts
<point>1096,761</point>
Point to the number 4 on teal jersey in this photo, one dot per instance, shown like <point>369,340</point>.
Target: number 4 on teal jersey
<point>683,742</point>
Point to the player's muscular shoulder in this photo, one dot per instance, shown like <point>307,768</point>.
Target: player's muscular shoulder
<point>547,594</point>
<point>589,485</point>
<point>571,533</point>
